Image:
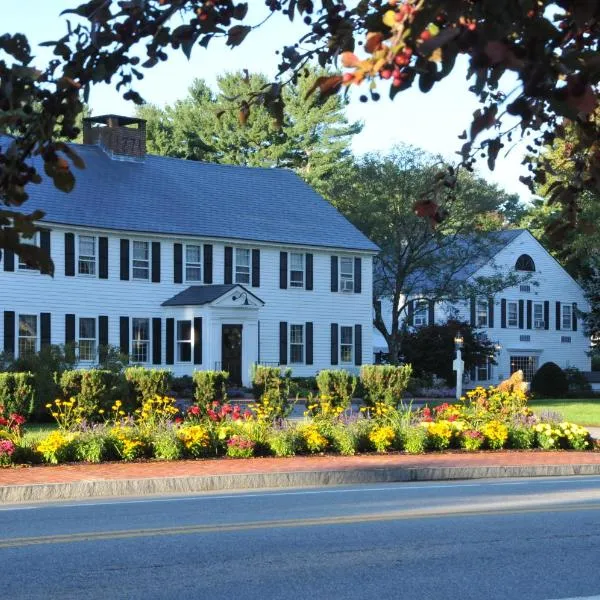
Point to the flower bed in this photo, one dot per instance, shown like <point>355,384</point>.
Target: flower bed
<point>492,419</point>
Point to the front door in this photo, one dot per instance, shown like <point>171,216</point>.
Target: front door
<point>231,352</point>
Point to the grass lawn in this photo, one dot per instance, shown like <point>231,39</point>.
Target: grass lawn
<point>582,412</point>
<point>35,431</point>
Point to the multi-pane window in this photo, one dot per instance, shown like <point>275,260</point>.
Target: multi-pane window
<point>140,343</point>
<point>141,260</point>
<point>538,315</point>
<point>193,262</point>
<point>296,343</point>
<point>346,274</point>
<point>421,313</point>
<point>242,265</point>
<point>481,316</point>
<point>512,314</point>
<point>527,364</point>
<point>184,341</point>
<point>87,339</point>
<point>33,241</point>
<point>484,371</point>
<point>296,270</point>
<point>87,255</point>
<point>27,334</point>
<point>566,316</point>
<point>346,347</point>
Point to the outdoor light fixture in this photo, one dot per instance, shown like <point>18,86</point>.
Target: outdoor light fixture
<point>458,341</point>
<point>239,296</point>
<point>459,364</point>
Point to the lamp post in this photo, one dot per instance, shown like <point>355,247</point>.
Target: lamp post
<point>459,364</point>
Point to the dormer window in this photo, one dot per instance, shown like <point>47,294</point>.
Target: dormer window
<point>525,263</point>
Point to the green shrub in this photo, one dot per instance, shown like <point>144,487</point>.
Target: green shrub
<point>521,438</point>
<point>415,439</point>
<point>17,393</point>
<point>92,447</point>
<point>549,381</point>
<point>303,386</point>
<point>209,386</point>
<point>285,442</point>
<point>166,445</point>
<point>344,439</point>
<point>338,385</point>
<point>577,381</point>
<point>146,383</point>
<point>384,383</point>
<point>93,389</point>
<point>269,378</point>
<point>183,387</point>
<point>271,388</point>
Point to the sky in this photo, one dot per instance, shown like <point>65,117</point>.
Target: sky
<point>430,121</point>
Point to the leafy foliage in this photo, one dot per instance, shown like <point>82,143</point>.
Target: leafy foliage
<point>549,381</point>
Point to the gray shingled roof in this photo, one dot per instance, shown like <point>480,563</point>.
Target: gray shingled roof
<point>180,197</point>
<point>197,295</point>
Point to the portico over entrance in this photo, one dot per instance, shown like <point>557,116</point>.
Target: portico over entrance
<point>214,327</point>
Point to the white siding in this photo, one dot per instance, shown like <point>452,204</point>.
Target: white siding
<point>88,296</point>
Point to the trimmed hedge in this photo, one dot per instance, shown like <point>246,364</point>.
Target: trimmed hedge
<point>17,393</point>
<point>337,384</point>
<point>209,386</point>
<point>384,383</point>
<point>549,381</point>
<point>146,383</point>
<point>94,389</point>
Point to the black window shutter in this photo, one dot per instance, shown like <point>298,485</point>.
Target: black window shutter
<point>309,344</point>
<point>69,254</point>
<point>103,257</point>
<point>197,340</point>
<point>547,314</point>
<point>124,335</point>
<point>334,275</point>
<point>283,270</point>
<point>45,330</point>
<point>102,336</point>
<point>45,246</point>
<point>334,344</point>
<point>472,311</point>
<point>503,313</point>
<point>9,332</point>
<point>228,276</point>
<point>358,345</point>
<point>9,260</point>
<point>208,262</point>
<point>309,271</point>
<point>155,262</point>
<point>255,267</point>
<point>357,275</point>
<point>521,314</point>
<point>431,315</point>
<point>156,341</point>
<point>557,316</point>
<point>529,313</point>
<point>69,329</point>
<point>574,309</point>
<point>490,312</point>
<point>170,353</point>
<point>410,312</point>
<point>177,263</point>
<point>283,342</point>
<point>124,260</point>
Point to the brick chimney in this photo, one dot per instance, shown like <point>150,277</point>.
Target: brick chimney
<point>120,137</point>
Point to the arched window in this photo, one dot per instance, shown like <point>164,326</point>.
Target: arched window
<point>525,263</point>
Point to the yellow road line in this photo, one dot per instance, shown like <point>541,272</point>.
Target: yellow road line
<point>94,536</point>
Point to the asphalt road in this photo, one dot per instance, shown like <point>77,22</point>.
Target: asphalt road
<point>511,539</point>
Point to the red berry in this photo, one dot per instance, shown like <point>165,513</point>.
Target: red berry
<point>425,35</point>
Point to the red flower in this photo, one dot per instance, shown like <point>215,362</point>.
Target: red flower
<point>3,421</point>
<point>178,420</point>
<point>18,419</point>
<point>194,410</point>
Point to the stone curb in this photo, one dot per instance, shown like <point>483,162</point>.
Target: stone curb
<point>16,494</point>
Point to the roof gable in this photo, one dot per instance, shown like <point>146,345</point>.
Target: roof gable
<point>171,196</point>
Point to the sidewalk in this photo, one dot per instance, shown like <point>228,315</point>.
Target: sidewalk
<point>43,483</point>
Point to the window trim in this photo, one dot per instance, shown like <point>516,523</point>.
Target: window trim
<point>527,263</point>
<point>234,266</point>
<point>180,341</point>
<point>563,306</point>
<point>195,265</point>
<point>95,340</point>
<point>516,305</point>
<point>541,305</point>
<point>303,271</point>
<point>146,341</point>
<point>19,336</point>
<point>489,370</point>
<point>342,279</point>
<point>78,255</point>
<point>301,344</point>
<point>417,308</point>
<point>133,260</point>
<point>351,345</point>
<point>478,303</point>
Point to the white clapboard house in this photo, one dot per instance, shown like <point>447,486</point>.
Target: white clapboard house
<point>531,323</point>
<point>188,265</point>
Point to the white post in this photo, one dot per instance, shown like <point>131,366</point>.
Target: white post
<point>459,366</point>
